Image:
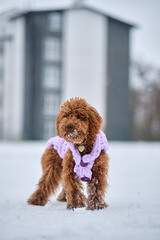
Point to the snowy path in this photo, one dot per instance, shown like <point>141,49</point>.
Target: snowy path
<point>133,197</point>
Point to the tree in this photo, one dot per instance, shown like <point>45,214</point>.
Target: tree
<point>145,90</point>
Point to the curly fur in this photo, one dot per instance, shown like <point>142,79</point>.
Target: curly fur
<point>86,124</point>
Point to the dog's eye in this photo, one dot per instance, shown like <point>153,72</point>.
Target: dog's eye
<point>82,116</point>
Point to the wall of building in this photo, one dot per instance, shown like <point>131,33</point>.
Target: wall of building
<point>84,57</point>
<point>14,81</point>
<point>5,39</point>
<point>1,86</point>
<point>118,110</point>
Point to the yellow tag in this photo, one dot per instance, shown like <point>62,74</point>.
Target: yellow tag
<point>81,148</point>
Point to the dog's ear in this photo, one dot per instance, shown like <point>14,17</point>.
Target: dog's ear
<point>95,121</point>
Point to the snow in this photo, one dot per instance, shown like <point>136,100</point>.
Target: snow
<point>133,197</point>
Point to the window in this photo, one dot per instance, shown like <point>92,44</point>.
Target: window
<point>52,49</point>
<point>54,21</point>
<point>51,77</point>
<point>49,129</point>
<point>51,104</point>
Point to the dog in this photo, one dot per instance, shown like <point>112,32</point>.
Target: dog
<point>76,154</point>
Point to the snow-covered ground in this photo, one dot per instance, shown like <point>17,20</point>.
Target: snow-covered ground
<point>133,197</point>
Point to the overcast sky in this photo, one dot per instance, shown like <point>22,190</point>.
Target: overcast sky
<point>145,40</point>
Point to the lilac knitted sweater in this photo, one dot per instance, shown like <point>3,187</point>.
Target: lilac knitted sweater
<point>83,164</point>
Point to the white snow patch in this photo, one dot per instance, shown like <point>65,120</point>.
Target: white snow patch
<point>133,197</point>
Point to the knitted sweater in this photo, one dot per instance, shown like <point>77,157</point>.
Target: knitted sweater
<point>83,164</point>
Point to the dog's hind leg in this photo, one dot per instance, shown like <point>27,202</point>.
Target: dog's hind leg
<point>71,184</point>
<point>48,183</point>
<point>98,184</point>
<point>62,196</point>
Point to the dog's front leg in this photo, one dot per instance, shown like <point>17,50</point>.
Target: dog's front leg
<point>98,184</point>
<point>71,184</point>
<point>48,183</point>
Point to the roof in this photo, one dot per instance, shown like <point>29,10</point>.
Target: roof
<point>19,13</point>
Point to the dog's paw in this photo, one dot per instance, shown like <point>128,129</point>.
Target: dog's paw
<point>96,206</point>
<point>62,197</point>
<point>37,199</point>
<point>73,206</point>
<point>78,202</point>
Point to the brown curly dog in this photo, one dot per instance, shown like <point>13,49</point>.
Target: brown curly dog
<point>77,124</point>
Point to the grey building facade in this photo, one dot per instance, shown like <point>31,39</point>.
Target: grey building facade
<point>119,102</point>
<point>55,53</point>
<point>42,95</point>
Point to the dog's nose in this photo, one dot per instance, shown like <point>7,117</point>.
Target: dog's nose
<point>70,127</point>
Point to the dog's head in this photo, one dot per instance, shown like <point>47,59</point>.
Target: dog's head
<point>77,119</point>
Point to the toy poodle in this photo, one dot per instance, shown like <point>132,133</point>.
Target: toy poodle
<point>76,154</point>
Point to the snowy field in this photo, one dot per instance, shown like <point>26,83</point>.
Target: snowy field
<point>133,197</point>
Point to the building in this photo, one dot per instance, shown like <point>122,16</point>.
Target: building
<point>48,56</point>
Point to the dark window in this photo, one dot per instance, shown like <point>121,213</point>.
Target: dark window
<point>49,129</point>
<point>54,22</point>
<point>51,48</point>
<point>51,77</point>
<point>51,104</point>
